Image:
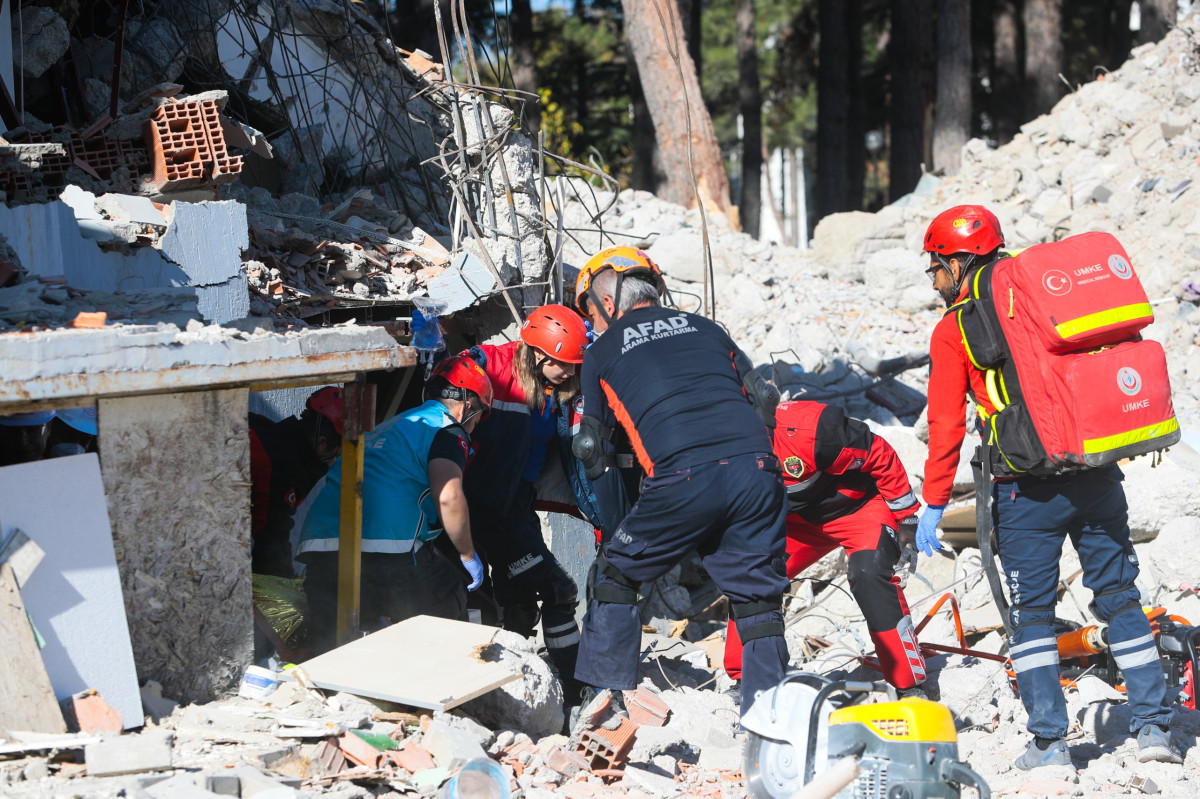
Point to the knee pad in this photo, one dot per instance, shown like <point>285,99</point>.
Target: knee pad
<point>877,596</point>
<point>616,588</point>
<point>758,619</point>
<point>1106,605</point>
<point>1028,615</point>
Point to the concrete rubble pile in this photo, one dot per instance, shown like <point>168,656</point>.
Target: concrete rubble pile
<point>844,322</point>
<point>349,201</point>
<point>839,321</point>
<point>669,741</point>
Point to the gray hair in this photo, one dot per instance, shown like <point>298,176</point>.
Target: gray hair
<point>634,291</point>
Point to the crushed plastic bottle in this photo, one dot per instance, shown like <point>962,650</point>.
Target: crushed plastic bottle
<point>481,778</point>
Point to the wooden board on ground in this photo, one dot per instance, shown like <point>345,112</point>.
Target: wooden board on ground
<point>423,662</point>
<point>27,701</point>
<point>958,528</point>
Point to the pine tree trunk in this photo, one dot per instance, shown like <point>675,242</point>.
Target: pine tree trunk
<point>1158,17</point>
<point>524,65</point>
<point>908,99</point>
<point>750,105</point>
<point>645,175</point>
<point>856,122</point>
<point>832,109</point>
<point>1118,38</point>
<point>656,38</point>
<point>1043,55</point>
<point>689,13</point>
<point>952,110</point>
<point>1006,70</point>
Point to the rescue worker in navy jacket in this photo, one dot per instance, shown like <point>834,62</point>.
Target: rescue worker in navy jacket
<point>846,487</point>
<point>535,384</point>
<point>412,491</point>
<point>1033,517</point>
<point>687,397</point>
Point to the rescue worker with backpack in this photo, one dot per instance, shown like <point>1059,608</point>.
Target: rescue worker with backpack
<point>536,385</point>
<point>697,415</point>
<point>846,487</point>
<point>1048,394</point>
<point>412,491</point>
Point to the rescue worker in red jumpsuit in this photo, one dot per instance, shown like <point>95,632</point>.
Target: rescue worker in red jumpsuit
<point>846,487</point>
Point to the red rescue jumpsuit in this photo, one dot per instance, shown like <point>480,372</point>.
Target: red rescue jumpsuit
<point>847,487</point>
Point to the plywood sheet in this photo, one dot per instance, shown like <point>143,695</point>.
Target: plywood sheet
<point>422,662</point>
<point>27,701</point>
<point>74,596</point>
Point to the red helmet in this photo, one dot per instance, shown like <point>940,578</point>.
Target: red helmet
<point>329,402</point>
<point>626,262</point>
<point>464,373</point>
<point>557,332</point>
<point>964,228</point>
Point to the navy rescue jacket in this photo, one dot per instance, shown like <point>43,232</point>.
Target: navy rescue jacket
<point>502,441</point>
<point>669,379</point>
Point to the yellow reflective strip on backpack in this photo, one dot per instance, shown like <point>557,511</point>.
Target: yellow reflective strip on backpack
<point>993,391</point>
<point>966,344</point>
<point>1113,316</point>
<point>1107,443</point>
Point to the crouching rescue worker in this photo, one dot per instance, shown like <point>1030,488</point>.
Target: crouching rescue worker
<point>287,459</point>
<point>1033,516</point>
<point>687,397</point>
<point>412,490</point>
<point>847,487</point>
<point>535,382</point>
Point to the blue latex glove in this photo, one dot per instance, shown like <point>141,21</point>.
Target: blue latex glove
<point>474,567</point>
<point>927,539</point>
<point>591,334</point>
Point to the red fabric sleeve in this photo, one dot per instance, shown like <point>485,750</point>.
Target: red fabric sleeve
<point>883,464</point>
<point>949,380</point>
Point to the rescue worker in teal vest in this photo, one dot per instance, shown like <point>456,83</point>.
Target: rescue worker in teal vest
<point>412,492</point>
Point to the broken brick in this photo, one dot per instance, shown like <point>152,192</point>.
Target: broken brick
<point>179,145</point>
<point>328,759</point>
<point>90,319</point>
<point>566,763</point>
<point>359,751</point>
<point>92,713</point>
<point>646,708</point>
<point>411,757</point>
<point>607,748</point>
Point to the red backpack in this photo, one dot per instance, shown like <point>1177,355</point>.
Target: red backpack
<point>1075,386</point>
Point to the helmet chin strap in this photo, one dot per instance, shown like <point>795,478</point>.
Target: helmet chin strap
<point>962,276</point>
<point>594,299</point>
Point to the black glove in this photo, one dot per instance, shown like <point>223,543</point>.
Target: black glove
<point>906,538</point>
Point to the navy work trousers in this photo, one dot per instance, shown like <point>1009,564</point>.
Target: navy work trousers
<point>732,512</point>
<point>1033,517</point>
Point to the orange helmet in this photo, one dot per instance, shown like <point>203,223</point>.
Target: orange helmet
<point>626,262</point>
<point>557,332</point>
<point>964,228</point>
<point>329,402</point>
<point>463,373</point>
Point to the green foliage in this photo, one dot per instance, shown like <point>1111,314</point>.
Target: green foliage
<point>584,86</point>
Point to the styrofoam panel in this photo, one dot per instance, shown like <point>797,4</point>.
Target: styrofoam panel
<point>74,596</point>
